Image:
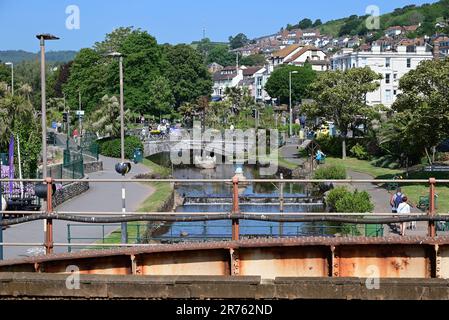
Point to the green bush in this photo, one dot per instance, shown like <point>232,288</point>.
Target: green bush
<point>112,147</point>
<point>335,195</point>
<point>359,152</point>
<point>333,172</point>
<point>296,128</point>
<point>357,202</point>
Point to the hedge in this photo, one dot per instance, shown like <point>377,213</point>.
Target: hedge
<point>112,147</point>
<point>332,172</point>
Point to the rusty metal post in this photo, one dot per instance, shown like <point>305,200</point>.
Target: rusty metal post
<point>49,222</point>
<point>431,213</point>
<point>235,208</point>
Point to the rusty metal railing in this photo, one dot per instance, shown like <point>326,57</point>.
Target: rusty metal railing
<point>235,215</point>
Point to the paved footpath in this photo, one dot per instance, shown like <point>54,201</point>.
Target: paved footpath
<point>381,200</point>
<point>99,197</point>
<point>379,195</point>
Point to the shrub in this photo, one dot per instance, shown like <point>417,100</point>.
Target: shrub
<point>112,148</point>
<point>333,172</point>
<point>359,152</point>
<point>354,202</point>
<point>335,195</point>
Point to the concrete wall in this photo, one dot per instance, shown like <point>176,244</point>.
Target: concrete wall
<point>50,286</point>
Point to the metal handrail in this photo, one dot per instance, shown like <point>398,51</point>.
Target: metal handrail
<point>230,180</point>
<point>235,215</point>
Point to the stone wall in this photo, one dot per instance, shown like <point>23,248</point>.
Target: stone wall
<point>70,191</point>
<point>93,166</point>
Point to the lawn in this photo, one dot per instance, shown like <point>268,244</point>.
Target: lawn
<point>162,191</point>
<point>286,164</point>
<point>413,191</point>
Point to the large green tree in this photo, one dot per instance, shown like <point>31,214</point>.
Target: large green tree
<point>277,85</point>
<point>240,40</point>
<point>221,55</point>
<point>143,63</point>
<point>305,24</point>
<point>187,74</point>
<point>87,77</point>
<point>423,107</point>
<point>341,97</point>
<point>161,98</point>
<point>253,60</point>
<point>113,40</point>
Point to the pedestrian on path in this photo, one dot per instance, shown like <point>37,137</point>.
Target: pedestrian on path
<point>403,209</point>
<point>396,200</point>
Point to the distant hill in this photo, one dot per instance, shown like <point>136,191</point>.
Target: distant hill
<point>427,14</point>
<point>17,56</point>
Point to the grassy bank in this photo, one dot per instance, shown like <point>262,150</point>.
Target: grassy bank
<point>413,191</point>
<point>162,192</point>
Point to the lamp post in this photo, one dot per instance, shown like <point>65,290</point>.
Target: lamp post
<point>42,38</point>
<point>48,226</point>
<point>290,100</point>
<point>12,75</point>
<point>122,141</point>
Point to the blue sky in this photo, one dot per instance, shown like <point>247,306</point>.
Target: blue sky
<point>172,21</point>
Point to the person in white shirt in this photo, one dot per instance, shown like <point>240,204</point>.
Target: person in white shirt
<point>403,209</point>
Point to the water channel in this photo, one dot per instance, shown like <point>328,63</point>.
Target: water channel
<point>254,198</point>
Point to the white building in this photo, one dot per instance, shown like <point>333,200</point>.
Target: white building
<point>226,77</point>
<point>316,57</point>
<point>392,65</point>
<point>260,80</point>
<point>298,55</point>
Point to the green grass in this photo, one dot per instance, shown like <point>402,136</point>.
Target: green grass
<point>413,191</point>
<point>364,166</point>
<point>162,191</point>
<point>286,164</point>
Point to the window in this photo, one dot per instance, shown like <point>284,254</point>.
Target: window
<point>259,81</point>
<point>388,96</point>
<point>409,63</point>
<point>259,92</point>
<point>395,92</point>
<point>387,78</point>
<point>395,76</point>
<point>388,62</point>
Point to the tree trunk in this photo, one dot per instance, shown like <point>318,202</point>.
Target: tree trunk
<point>343,147</point>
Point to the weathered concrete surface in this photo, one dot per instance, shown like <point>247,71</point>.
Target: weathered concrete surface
<point>46,286</point>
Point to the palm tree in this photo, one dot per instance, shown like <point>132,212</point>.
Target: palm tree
<point>106,119</point>
<point>26,90</point>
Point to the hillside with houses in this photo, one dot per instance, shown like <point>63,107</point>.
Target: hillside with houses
<point>392,50</point>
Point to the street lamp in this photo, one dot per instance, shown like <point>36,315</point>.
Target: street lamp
<point>48,222</point>
<point>290,104</point>
<point>42,38</point>
<point>12,75</point>
<point>122,141</point>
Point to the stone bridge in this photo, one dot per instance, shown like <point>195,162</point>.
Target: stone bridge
<point>220,147</point>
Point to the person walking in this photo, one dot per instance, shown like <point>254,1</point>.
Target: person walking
<point>403,209</point>
<point>396,200</point>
